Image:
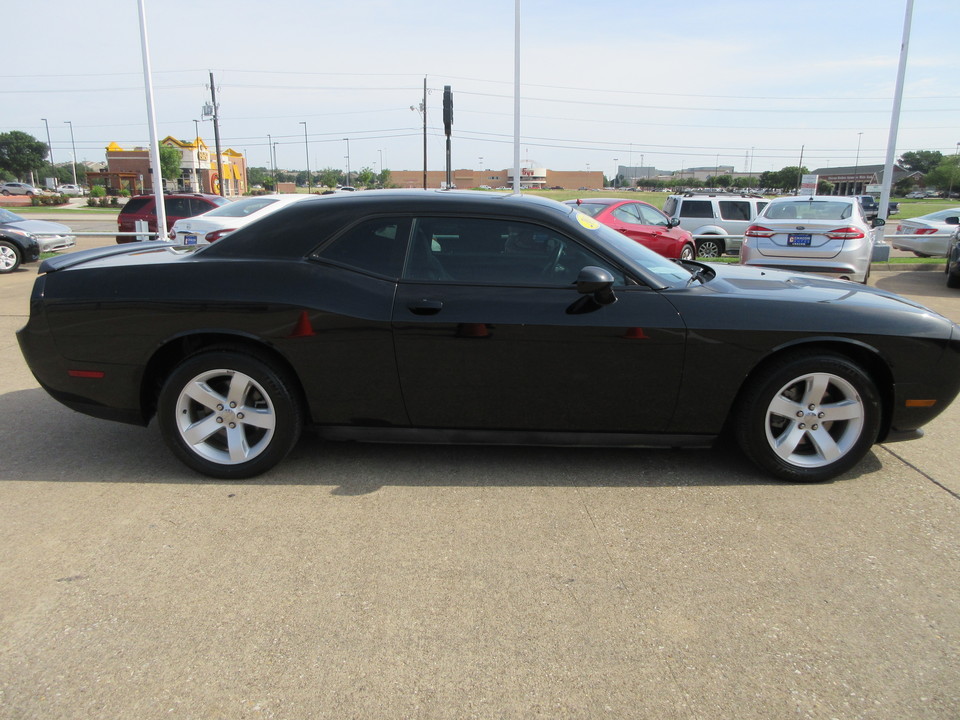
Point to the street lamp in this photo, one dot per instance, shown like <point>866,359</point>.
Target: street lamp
<point>74,146</point>
<point>53,167</point>
<point>348,160</point>
<point>616,171</point>
<point>306,145</point>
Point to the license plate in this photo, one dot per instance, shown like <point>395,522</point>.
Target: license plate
<point>799,239</point>
<point>192,240</point>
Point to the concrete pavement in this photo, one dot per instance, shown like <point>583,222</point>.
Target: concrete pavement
<point>368,581</point>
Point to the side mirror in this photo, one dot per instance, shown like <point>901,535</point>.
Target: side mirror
<point>597,282</point>
<point>673,222</point>
<point>952,220</point>
<point>877,222</point>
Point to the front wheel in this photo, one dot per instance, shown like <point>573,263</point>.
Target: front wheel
<point>688,253</point>
<point>709,248</point>
<point>808,419</point>
<point>229,415</point>
<point>9,256</point>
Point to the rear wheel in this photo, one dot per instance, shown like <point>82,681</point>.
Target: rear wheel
<point>809,419</point>
<point>9,256</point>
<point>709,248</point>
<point>229,415</point>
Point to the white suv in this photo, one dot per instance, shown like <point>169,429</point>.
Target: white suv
<point>715,213</point>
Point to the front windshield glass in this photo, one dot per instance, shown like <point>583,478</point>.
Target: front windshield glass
<point>241,208</point>
<point>6,216</point>
<point>809,210</point>
<point>668,271</point>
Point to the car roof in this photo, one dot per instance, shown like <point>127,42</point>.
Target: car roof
<point>812,198</point>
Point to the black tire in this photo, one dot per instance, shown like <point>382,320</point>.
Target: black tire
<point>709,248</point>
<point>6,192</point>
<point>953,278</point>
<point>229,415</point>
<point>688,253</point>
<point>809,418</point>
<point>9,257</point>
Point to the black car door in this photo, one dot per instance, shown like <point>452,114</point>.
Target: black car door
<point>490,333</point>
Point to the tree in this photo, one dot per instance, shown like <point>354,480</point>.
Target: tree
<point>330,177</point>
<point>366,177</point>
<point>921,160</point>
<point>20,153</point>
<point>946,175</point>
<point>170,159</point>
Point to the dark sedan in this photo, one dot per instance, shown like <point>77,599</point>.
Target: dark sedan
<point>478,318</point>
<point>642,222</point>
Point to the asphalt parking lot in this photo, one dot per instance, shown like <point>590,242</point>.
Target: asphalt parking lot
<point>368,581</point>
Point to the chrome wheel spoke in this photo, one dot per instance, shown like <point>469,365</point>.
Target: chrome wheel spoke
<point>200,432</point>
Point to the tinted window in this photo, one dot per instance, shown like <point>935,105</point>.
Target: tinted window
<point>696,209</point>
<point>177,207</point>
<point>376,246</point>
<point>501,252</point>
<point>813,210</point>
<point>734,209</point>
<point>136,205</point>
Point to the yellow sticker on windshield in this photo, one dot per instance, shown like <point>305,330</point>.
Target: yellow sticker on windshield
<point>588,222</point>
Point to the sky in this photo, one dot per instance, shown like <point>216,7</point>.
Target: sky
<point>604,83</point>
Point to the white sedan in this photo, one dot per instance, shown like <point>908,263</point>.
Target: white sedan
<point>223,220</point>
<point>827,235</point>
<point>929,234</point>
<point>70,189</point>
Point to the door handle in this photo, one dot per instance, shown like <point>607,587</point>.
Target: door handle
<point>425,306</point>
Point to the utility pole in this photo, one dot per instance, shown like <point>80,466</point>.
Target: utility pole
<point>74,146</point>
<point>216,131</point>
<point>424,107</point>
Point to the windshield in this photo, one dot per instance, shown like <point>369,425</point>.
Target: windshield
<point>810,210</point>
<point>241,208</point>
<point>7,217</point>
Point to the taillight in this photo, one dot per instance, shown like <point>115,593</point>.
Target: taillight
<point>924,231</point>
<point>759,231</point>
<point>846,233</point>
<point>217,234</point>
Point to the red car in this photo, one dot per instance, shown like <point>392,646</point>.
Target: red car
<point>642,222</point>
<point>177,207</point>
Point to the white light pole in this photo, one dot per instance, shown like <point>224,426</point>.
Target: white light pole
<point>856,167</point>
<point>306,145</point>
<point>74,146</point>
<point>53,167</point>
<point>347,140</point>
<point>152,119</point>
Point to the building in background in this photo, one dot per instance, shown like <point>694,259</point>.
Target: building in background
<point>530,179</point>
<point>129,169</point>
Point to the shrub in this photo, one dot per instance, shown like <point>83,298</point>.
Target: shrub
<point>98,191</point>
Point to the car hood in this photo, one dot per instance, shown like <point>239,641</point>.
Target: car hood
<point>39,227</point>
<point>763,283</point>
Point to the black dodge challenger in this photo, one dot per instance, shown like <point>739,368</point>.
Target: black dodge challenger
<point>465,317</point>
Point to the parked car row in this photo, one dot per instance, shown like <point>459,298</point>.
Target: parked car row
<point>18,188</point>
<point>929,235</point>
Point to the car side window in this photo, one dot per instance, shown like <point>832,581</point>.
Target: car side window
<point>652,216</point>
<point>629,214</point>
<point>177,207</point>
<point>734,210</point>
<point>761,206</point>
<point>135,205</point>
<point>496,252</point>
<point>375,246</point>
<point>696,209</point>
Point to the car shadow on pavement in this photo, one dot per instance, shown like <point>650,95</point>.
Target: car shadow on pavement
<point>930,284</point>
<point>56,444</point>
